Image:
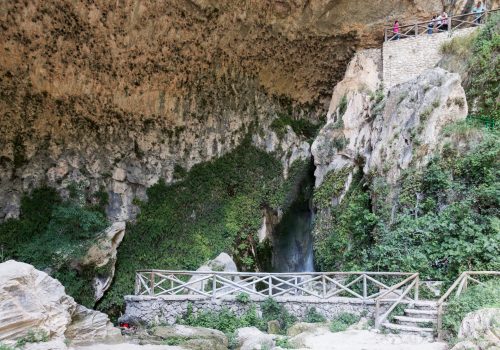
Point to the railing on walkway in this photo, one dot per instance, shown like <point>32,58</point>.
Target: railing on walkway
<point>422,28</point>
<point>409,284</point>
<point>365,286</point>
<point>460,285</point>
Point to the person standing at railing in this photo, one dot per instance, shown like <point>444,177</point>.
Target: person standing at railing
<point>444,21</point>
<point>395,30</point>
<point>439,23</point>
<point>478,11</point>
<point>430,25</point>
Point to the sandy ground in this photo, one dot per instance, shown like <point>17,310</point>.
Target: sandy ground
<point>348,340</point>
<point>366,340</point>
<point>127,347</point>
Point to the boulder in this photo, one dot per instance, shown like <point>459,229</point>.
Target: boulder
<point>88,325</point>
<point>302,331</point>
<point>103,255</point>
<point>273,327</point>
<point>195,338</point>
<point>251,338</point>
<point>222,263</point>
<point>304,327</point>
<point>480,330</point>
<point>31,300</point>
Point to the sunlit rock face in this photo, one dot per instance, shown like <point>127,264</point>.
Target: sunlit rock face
<point>115,94</point>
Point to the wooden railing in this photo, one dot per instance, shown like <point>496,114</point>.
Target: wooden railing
<point>409,284</point>
<point>365,286</point>
<point>454,23</point>
<point>460,285</point>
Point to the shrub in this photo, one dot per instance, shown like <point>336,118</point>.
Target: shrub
<point>272,310</point>
<point>343,321</point>
<point>313,316</point>
<point>243,298</point>
<point>6,347</point>
<point>284,343</point>
<point>301,127</point>
<point>33,336</point>
<point>342,106</point>
<point>475,298</point>
<point>225,320</point>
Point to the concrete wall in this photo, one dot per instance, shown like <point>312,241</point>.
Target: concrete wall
<point>406,59</point>
<point>155,310</point>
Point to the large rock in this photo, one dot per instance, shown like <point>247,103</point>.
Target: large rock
<point>31,300</point>
<point>88,325</point>
<point>409,127</point>
<point>103,255</point>
<point>251,338</point>
<point>222,263</point>
<point>480,330</point>
<point>348,129</point>
<point>386,133</point>
<point>304,327</point>
<point>195,338</point>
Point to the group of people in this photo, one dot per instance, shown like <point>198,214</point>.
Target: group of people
<point>439,23</point>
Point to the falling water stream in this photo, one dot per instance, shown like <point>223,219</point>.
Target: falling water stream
<point>292,238</point>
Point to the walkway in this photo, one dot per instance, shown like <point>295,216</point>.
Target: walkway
<point>467,20</point>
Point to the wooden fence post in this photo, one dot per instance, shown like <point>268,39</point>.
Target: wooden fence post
<point>365,289</point>
<point>152,284</point>
<point>417,286</point>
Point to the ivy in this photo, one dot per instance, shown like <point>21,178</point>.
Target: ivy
<point>52,234</point>
<point>439,220</point>
<point>217,207</point>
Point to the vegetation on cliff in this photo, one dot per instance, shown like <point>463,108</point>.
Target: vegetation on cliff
<point>479,56</point>
<point>217,207</point>
<point>439,219</point>
<point>54,234</point>
<point>443,221</point>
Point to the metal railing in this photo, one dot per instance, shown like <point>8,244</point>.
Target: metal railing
<point>409,284</point>
<point>365,286</point>
<point>453,23</point>
<point>460,285</point>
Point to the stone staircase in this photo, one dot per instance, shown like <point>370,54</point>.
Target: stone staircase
<point>419,318</point>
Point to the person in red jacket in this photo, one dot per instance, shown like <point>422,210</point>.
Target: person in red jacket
<point>395,30</point>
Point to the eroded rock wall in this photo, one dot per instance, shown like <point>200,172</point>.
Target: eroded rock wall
<point>114,95</point>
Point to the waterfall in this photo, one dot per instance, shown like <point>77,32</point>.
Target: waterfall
<point>292,239</point>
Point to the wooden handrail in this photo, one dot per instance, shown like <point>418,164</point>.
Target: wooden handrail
<point>212,284</point>
<point>461,282</point>
<point>414,278</point>
<point>347,273</point>
<point>414,26</point>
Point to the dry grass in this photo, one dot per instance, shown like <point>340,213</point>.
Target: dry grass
<point>460,46</point>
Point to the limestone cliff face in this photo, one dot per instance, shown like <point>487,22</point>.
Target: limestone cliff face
<point>382,135</point>
<point>115,94</point>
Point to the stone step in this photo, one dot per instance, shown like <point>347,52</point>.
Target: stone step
<point>425,305</point>
<point>416,313</point>
<point>413,321</point>
<point>409,329</point>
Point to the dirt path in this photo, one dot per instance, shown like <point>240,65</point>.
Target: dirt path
<point>127,347</point>
<point>366,340</point>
